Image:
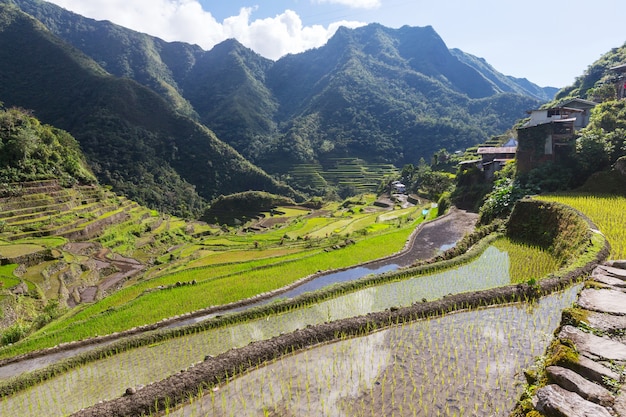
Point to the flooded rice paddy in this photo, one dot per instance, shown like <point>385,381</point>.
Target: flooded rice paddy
<point>462,364</point>
<point>361,377</point>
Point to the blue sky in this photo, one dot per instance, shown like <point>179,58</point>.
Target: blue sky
<point>549,43</point>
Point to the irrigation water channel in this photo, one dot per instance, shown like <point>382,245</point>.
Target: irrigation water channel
<point>498,347</point>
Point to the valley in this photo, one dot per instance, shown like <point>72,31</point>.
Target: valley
<point>380,225</point>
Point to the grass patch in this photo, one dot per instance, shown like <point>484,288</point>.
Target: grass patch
<point>17,250</point>
<point>608,212</point>
<point>48,242</point>
<point>217,285</point>
<point>527,262</point>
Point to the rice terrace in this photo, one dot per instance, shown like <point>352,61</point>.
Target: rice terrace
<point>207,327</point>
<point>374,226</point>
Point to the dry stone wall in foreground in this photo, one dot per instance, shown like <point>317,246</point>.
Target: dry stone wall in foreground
<point>587,361</point>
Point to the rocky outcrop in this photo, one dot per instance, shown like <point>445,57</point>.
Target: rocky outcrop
<point>591,382</point>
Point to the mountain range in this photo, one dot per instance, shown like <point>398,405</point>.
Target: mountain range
<point>173,126</point>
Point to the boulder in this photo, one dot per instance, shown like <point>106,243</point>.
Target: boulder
<point>571,381</point>
<point>619,263</point>
<point>554,401</point>
<point>606,323</point>
<point>606,279</point>
<point>594,371</point>
<point>20,289</point>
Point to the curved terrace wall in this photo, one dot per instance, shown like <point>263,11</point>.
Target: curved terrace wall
<point>555,227</point>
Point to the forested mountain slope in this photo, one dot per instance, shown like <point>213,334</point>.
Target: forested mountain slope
<point>132,138</point>
<point>385,95</point>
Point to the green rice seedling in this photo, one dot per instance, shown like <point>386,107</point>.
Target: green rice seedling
<point>429,357</point>
<point>360,302</point>
<point>135,306</point>
<point>606,211</point>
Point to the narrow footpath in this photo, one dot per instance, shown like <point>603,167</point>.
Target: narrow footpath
<point>592,383</point>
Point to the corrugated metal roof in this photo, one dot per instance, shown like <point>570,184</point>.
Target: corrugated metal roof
<point>493,150</point>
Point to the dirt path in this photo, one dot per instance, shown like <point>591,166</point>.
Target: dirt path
<point>428,239</point>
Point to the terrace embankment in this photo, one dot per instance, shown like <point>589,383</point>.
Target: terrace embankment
<point>556,228</point>
<point>584,372</point>
<point>423,243</point>
<point>558,223</point>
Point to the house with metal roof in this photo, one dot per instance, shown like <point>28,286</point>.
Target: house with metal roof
<point>549,134</point>
<point>494,158</point>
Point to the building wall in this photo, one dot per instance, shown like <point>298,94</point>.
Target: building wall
<point>531,150</point>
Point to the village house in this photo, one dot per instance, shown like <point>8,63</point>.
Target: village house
<point>549,134</point>
<point>493,158</point>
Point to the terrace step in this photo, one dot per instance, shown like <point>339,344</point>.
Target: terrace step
<point>584,388</point>
<point>26,188</point>
<point>556,401</point>
<point>32,214</point>
<point>93,208</point>
<point>35,201</point>
<point>94,228</point>
<point>80,217</point>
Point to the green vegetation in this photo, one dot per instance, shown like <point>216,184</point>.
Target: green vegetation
<point>416,367</point>
<point>143,303</point>
<point>30,151</point>
<point>288,117</point>
<point>197,266</point>
<point>241,206</point>
<point>607,212</point>
<point>390,290</point>
<point>596,83</point>
<point>93,263</point>
<point>7,278</point>
<point>527,263</point>
<point>554,228</point>
<point>133,139</point>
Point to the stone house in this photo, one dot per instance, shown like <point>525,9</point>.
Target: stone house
<point>549,134</point>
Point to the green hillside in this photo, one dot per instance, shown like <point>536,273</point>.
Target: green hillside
<point>30,151</point>
<point>132,138</point>
<point>382,95</point>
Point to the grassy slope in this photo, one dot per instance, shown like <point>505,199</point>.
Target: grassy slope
<point>221,283</point>
<point>608,212</point>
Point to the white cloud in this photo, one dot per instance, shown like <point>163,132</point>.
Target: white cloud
<point>355,4</point>
<point>186,21</point>
<point>280,35</point>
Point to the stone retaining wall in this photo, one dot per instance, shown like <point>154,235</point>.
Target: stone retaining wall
<point>586,362</point>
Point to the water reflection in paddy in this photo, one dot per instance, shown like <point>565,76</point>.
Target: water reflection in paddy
<point>108,378</point>
<point>468,363</point>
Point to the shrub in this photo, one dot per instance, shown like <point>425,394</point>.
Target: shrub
<point>14,334</point>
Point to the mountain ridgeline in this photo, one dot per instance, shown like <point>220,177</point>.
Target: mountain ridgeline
<point>132,138</point>
<point>144,110</point>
